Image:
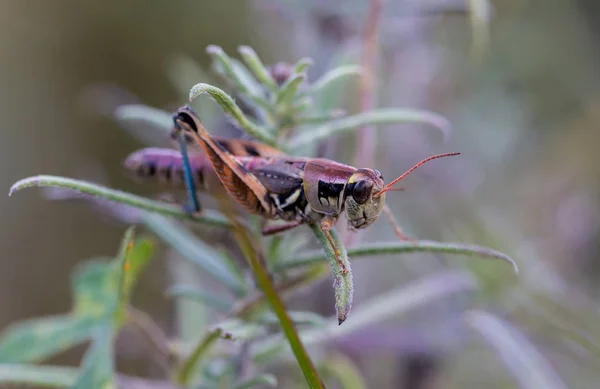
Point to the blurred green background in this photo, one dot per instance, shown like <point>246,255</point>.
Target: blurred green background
<point>524,105</point>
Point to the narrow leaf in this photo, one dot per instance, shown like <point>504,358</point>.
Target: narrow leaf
<point>388,248</point>
<point>231,108</point>
<point>193,249</point>
<point>97,369</point>
<point>373,117</point>
<point>528,366</point>
<point>95,289</point>
<point>208,218</point>
<point>37,376</point>
<point>302,65</point>
<point>334,76</point>
<point>189,366</point>
<point>257,67</point>
<point>158,118</point>
<point>290,88</point>
<point>343,284</point>
<point>38,339</point>
<point>228,69</point>
<point>136,261</point>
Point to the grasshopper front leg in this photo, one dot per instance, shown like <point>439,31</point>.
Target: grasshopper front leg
<point>326,225</point>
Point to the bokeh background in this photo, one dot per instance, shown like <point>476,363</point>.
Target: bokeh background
<point>524,105</point>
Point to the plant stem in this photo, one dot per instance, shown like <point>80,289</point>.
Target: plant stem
<point>263,279</point>
<point>184,373</point>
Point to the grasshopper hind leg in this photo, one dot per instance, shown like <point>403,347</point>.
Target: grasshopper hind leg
<point>193,205</point>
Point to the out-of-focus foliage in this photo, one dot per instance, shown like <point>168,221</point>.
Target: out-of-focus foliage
<point>518,82</point>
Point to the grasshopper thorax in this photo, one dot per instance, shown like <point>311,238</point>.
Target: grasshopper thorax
<point>363,207</point>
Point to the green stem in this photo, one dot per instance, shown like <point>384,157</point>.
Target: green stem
<point>185,372</point>
<point>208,218</point>
<point>264,281</point>
<point>386,248</point>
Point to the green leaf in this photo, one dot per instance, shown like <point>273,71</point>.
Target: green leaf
<point>37,376</point>
<point>389,248</point>
<point>343,284</point>
<point>193,249</point>
<point>263,379</point>
<point>373,117</point>
<point>257,67</point>
<point>231,108</point>
<point>158,120</point>
<point>209,218</point>
<point>528,366</point>
<point>289,89</point>
<point>192,293</point>
<point>185,372</point>
<point>134,262</point>
<point>240,81</point>
<point>334,76</point>
<point>95,290</point>
<point>302,65</point>
<point>38,339</point>
<point>97,369</point>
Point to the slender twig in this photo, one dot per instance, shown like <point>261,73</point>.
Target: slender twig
<point>153,334</point>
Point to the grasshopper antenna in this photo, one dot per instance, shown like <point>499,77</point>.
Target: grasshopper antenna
<point>389,186</point>
<point>194,204</point>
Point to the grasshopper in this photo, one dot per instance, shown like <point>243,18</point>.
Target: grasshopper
<point>267,182</point>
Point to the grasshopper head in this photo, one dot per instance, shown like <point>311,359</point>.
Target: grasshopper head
<point>363,207</point>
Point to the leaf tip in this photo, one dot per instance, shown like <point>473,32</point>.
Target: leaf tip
<point>197,90</point>
<point>245,50</point>
<point>214,50</point>
<point>17,186</point>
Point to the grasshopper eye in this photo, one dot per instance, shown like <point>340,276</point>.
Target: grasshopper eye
<point>361,191</point>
